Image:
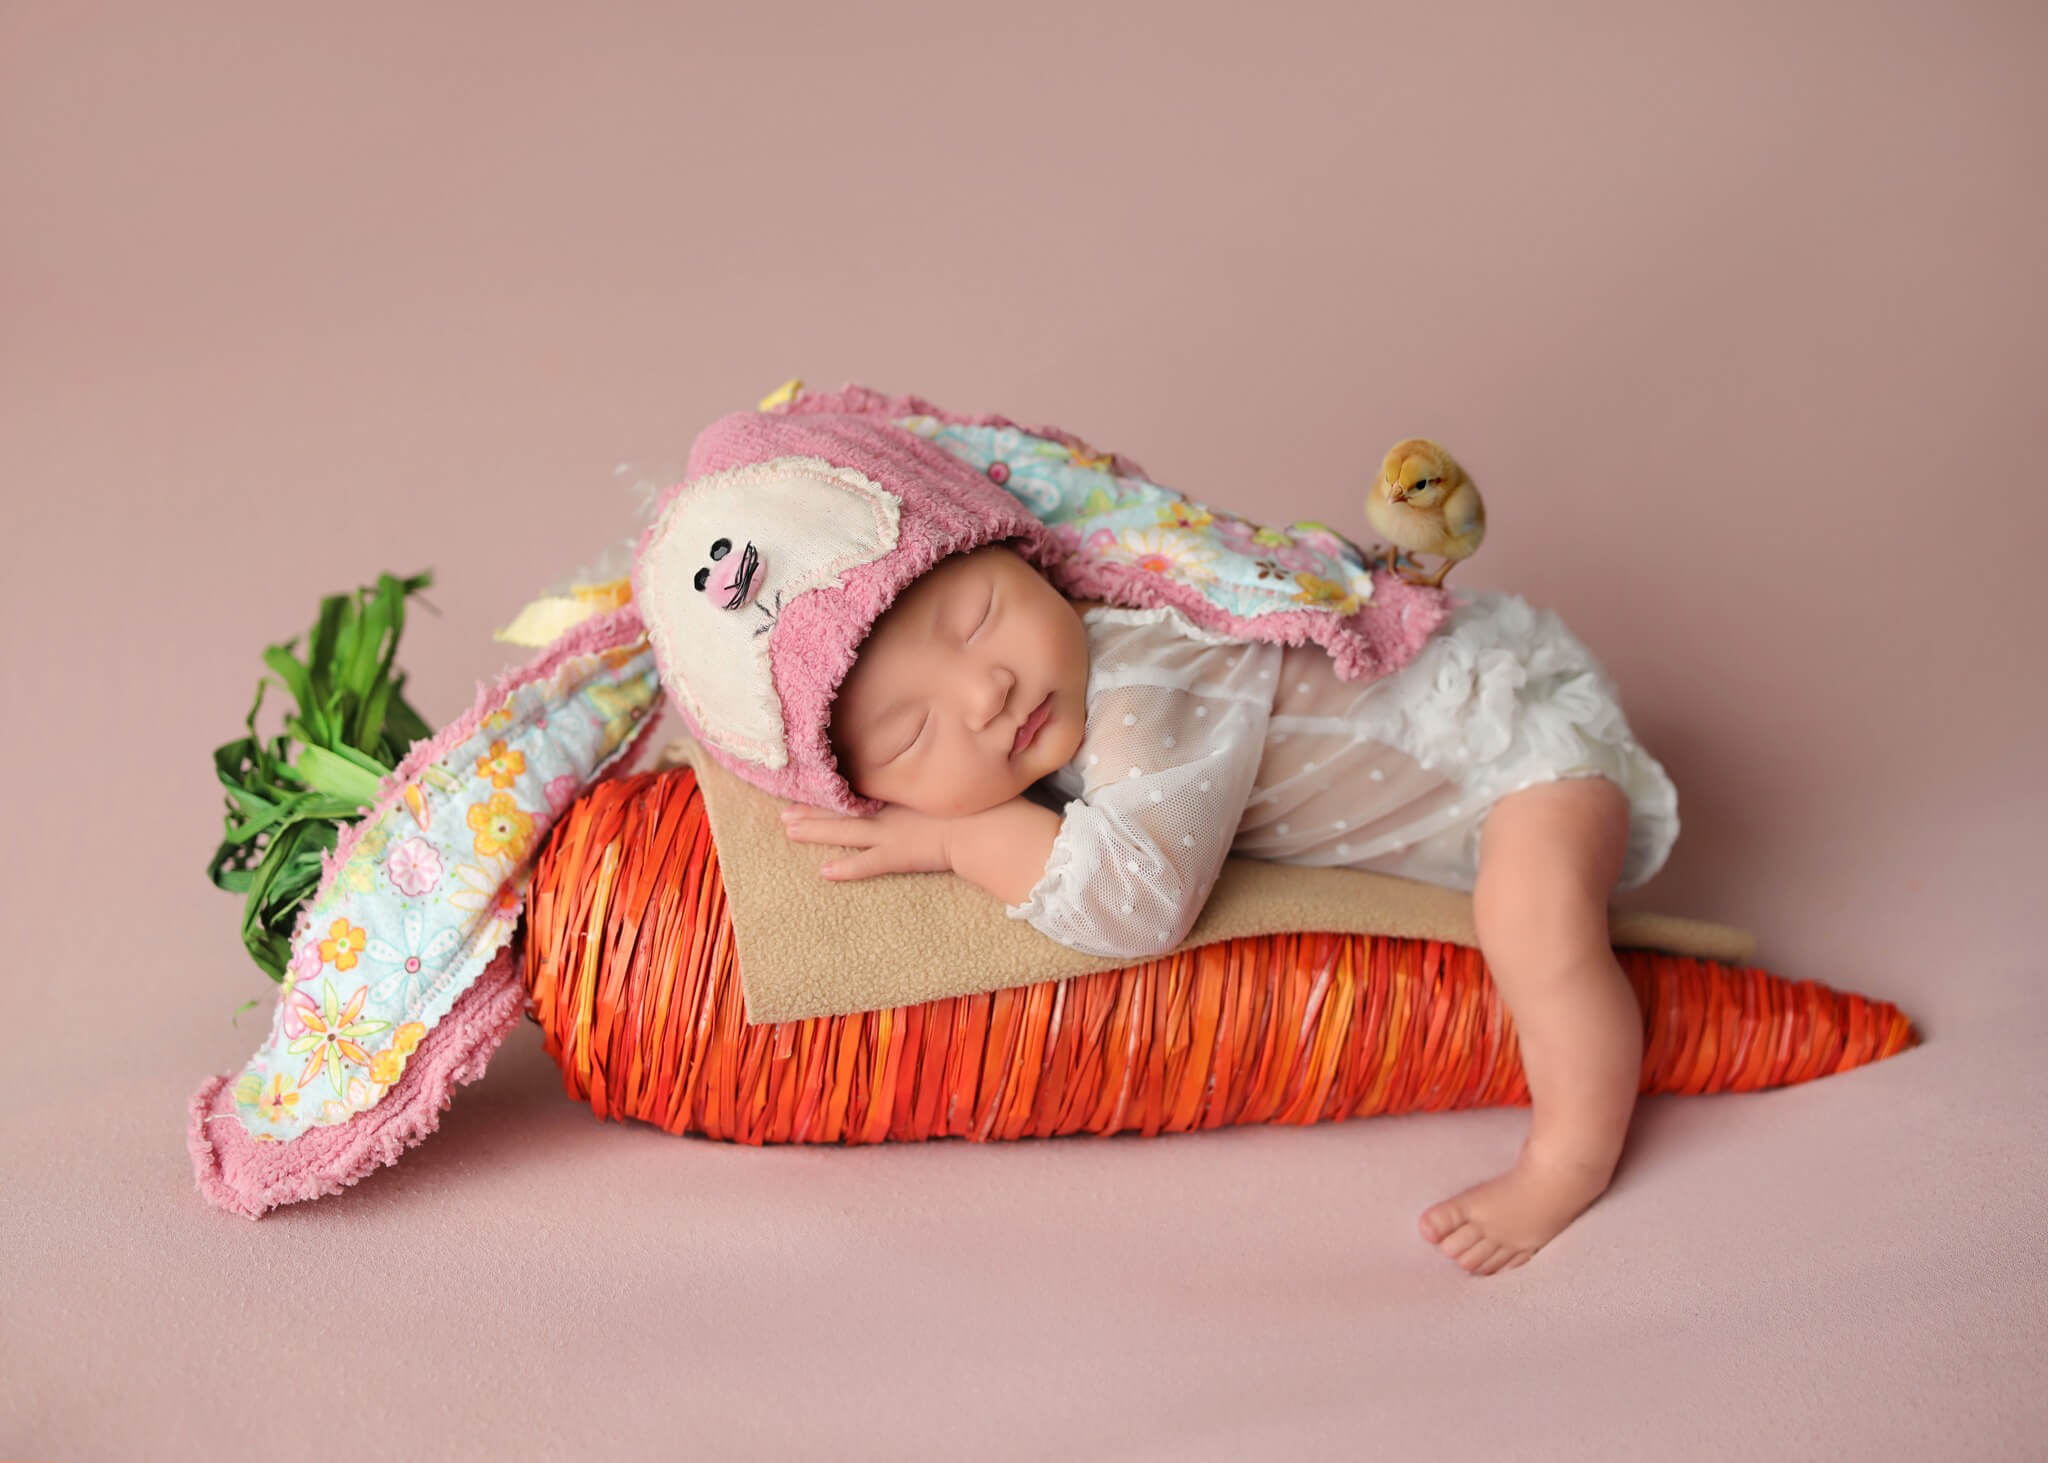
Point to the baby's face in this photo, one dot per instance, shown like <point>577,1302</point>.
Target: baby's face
<point>977,654</point>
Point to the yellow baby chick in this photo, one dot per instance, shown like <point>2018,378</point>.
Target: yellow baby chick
<point>1424,503</point>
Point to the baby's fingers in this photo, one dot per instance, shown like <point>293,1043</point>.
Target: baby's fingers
<point>863,865</point>
<point>804,826</point>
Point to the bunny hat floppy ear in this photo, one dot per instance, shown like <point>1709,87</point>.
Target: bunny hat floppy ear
<point>754,585</point>
<point>402,981</point>
<point>767,566</point>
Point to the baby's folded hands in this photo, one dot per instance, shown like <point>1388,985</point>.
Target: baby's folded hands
<point>1003,849</point>
<point>894,841</point>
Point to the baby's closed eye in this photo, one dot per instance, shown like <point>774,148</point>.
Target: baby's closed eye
<point>903,748</point>
<point>980,622</point>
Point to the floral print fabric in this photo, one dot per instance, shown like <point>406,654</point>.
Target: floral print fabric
<point>1235,563</point>
<point>430,891</point>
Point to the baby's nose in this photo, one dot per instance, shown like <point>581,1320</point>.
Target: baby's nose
<point>994,694</point>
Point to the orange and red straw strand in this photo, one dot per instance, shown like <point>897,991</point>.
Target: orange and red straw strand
<point>633,976</point>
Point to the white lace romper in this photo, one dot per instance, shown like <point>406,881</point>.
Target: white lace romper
<point>1197,746</point>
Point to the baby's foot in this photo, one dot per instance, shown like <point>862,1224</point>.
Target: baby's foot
<point>1499,1224</point>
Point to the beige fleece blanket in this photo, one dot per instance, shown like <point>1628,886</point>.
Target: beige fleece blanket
<point>811,947</point>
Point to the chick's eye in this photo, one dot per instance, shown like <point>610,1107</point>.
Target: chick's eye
<point>720,549</point>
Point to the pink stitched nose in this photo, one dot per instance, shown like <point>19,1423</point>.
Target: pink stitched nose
<point>725,577</point>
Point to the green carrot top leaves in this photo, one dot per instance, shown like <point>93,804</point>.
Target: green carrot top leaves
<point>352,727</point>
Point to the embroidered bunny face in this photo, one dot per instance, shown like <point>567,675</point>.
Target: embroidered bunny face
<point>728,552</point>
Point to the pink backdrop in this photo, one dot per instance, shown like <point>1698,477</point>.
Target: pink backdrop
<point>1734,311</point>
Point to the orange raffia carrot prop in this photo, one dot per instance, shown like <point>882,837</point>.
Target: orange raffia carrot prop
<point>633,976</point>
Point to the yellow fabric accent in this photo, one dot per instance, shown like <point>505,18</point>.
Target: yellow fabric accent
<point>786,391</point>
<point>544,621</point>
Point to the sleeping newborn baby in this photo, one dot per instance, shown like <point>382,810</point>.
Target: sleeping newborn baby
<point>1496,761</point>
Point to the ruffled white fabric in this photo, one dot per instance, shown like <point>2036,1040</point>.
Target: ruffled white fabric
<point>1505,696</point>
<point>1198,746</point>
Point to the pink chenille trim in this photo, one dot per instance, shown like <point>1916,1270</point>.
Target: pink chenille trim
<point>863,401</point>
<point>1381,638</point>
<point>592,637</point>
<point>944,507</point>
<point>948,507</point>
<point>237,1171</point>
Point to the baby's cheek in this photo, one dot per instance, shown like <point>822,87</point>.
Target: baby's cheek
<point>965,787</point>
<point>1073,736</point>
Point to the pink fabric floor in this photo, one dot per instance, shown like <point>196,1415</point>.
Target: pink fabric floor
<point>1733,311</point>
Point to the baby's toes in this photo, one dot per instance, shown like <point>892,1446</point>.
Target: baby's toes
<point>1463,1241</point>
<point>1440,1220</point>
<point>1475,1260</point>
<point>1504,1258</point>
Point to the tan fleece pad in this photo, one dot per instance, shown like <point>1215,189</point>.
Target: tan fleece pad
<point>811,947</point>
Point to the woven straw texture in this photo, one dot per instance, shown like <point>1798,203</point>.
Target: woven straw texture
<point>632,973</point>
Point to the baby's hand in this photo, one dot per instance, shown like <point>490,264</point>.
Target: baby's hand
<point>893,841</point>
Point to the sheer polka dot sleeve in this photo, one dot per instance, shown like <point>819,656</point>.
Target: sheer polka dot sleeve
<point>1167,761</point>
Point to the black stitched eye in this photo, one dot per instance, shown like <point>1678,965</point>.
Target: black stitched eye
<point>703,576</point>
<point>720,549</point>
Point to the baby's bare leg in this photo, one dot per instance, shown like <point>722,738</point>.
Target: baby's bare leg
<point>1548,858</point>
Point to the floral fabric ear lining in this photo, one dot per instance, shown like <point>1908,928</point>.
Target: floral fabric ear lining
<point>1119,536</point>
<point>418,901</point>
<point>1123,521</point>
<point>795,527</point>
